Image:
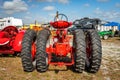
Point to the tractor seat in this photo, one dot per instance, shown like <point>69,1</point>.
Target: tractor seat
<point>4,38</point>
<point>61,24</point>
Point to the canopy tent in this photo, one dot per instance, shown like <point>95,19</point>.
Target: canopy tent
<point>113,24</point>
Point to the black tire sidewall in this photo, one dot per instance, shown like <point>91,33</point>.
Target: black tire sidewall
<point>26,55</point>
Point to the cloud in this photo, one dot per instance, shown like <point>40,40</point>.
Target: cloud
<point>52,14</point>
<point>27,17</point>
<point>29,0</point>
<point>107,15</point>
<point>111,15</point>
<point>102,0</point>
<point>45,0</point>
<point>63,1</point>
<point>86,5</point>
<point>59,1</point>
<point>117,5</point>
<point>14,6</point>
<point>27,12</point>
<point>49,8</point>
<point>98,11</point>
<point>33,6</point>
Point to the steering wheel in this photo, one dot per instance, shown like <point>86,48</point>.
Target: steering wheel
<point>60,17</point>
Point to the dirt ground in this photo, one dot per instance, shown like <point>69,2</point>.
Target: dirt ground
<point>11,68</point>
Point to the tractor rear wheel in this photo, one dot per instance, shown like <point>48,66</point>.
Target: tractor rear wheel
<point>94,51</point>
<point>80,51</point>
<point>26,56</point>
<point>41,55</point>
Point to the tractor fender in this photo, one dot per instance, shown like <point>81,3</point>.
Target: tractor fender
<point>18,40</point>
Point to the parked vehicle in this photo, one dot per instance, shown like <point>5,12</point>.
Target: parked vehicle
<point>105,34</point>
<point>79,48</point>
<point>10,40</point>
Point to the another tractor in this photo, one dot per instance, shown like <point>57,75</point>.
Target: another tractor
<point>92,40</point>
<point>78,48</point>
<point>105,34</point>
<point>10,40</point>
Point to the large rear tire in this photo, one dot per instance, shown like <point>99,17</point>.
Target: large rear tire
<point>80,51</point>
<point>94,55</point>
<point>26,56</point>
<point>41,55</point>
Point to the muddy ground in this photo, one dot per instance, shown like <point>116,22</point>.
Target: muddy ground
<point>11,68</point>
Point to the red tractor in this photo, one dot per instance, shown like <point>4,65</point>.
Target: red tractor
<point>63,48</point>
<point>10,40</point>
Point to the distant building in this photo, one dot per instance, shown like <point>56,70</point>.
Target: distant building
<point>10,21</point>
<point>106,26</point>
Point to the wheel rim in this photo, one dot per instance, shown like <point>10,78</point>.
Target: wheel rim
<point>105,37</point>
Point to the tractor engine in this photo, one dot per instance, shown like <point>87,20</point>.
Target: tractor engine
<point>61,43</point>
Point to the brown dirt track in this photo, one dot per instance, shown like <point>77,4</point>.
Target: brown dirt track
<point>11,68</point>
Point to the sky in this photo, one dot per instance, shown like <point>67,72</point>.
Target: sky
<point>44,10</point>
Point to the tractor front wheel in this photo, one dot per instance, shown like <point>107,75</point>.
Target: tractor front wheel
<point>26,56</point>
<point>105,37</point>
<point>41,55</point>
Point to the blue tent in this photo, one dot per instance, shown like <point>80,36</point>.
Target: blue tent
<point>113,24</point>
